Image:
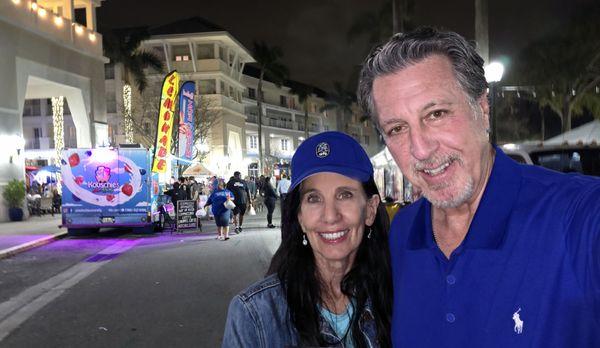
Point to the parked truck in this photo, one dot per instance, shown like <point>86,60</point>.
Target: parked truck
<point>108,187</point>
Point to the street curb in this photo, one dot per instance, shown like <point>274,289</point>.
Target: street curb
<point>30,245</point>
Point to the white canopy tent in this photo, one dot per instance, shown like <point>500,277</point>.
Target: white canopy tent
<point>586,134</point>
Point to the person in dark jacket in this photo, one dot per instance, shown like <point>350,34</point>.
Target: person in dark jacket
<point>176,194</point>
<point>239,188</point>
<point>270,197</point>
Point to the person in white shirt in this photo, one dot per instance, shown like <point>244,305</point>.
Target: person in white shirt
<point>282,187</point>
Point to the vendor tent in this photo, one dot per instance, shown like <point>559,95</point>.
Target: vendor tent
<point>197,169</point>
<point>585,134</point>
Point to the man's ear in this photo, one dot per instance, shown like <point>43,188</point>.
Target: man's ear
<point>484,104</point>
<point>372,204</point>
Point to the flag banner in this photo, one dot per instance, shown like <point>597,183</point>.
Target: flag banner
<point>162,148</point>
<point>186,120</point>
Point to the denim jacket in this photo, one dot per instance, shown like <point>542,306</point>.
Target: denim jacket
<point>259,317</point>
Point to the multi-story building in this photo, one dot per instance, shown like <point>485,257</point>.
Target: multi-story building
<point>207,54</point>
<point>49,48</point>
<point>216,61</point>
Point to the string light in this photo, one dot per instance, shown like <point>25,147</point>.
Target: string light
<point>58,21</point>
<point>42,12</point>
<point>34,6</point>
<point>92,37</point>
<point>128,122</point>
<point>58,123</point>
<point>16,2</point>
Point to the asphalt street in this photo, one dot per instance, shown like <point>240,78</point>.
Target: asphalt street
<point>122,290</point>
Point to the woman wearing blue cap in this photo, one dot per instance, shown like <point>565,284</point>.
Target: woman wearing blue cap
<point>329,282</point>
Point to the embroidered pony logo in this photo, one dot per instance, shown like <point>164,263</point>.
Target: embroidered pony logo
<point>518,322</point>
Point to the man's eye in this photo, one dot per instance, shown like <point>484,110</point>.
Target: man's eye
<point>396,130</point>
<point>434,115</point>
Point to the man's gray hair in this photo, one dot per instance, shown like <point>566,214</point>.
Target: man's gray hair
<point>403,50</point>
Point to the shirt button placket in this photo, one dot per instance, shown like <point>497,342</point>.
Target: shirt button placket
<point>450,317</point>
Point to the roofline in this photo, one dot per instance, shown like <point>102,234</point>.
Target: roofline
<point>203,34</point>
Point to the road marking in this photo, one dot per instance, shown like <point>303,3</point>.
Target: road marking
<point>18,309</point>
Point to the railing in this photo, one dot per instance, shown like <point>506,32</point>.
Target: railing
<point>33,17</point>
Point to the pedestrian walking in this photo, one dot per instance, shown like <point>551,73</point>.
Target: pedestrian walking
<point>242,195</point>
<point>270,196</point>
<point>282,188</point>
<point>221,213</point>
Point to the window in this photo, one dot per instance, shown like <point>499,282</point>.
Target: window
<point>205,51</point>
<point>32,107</point>
<point>111,102</point>
<point>109,71</point>
<point>207,87</point>
<point>285,143</point>
<point>223,90</point>
<point>283,101</point>
<point>183,57</point>
<point>251,93</point>
<point>253,142</point>
<point>231,92</point>
<point>222,53</point>
<point>366,137</point>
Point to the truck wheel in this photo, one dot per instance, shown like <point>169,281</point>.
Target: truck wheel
<point>144,230</point>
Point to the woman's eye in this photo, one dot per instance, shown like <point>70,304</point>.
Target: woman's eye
<point>346,195</point>
<point>312,198</point>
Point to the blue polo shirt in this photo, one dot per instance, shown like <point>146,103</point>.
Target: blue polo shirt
<point>526,275</point>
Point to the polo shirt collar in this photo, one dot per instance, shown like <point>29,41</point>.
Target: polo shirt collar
<point>488,227</point>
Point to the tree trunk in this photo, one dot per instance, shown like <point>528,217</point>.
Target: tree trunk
<point>566,115</point>
<point>395,18</point>
<point>259,122</point>
<point>305,120</point>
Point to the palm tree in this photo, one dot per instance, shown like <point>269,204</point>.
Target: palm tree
<point>123,48</point>
<point>303,92</point>
<point>341,99</point>
<point>394,16</point>
<point>268,61</point>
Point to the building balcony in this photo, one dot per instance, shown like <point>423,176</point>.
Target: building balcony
<point>219,100</point>
<point>34,18</point>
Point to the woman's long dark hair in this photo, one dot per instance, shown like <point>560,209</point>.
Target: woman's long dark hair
<point>369,278</point>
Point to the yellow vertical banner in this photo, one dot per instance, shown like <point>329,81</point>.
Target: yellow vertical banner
<point>162,148</point>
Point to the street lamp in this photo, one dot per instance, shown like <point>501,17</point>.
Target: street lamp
<point>493,75</point>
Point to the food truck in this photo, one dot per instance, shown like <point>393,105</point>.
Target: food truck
<point>108,187</point>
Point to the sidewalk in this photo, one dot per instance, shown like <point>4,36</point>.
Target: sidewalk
<point>16,237</point>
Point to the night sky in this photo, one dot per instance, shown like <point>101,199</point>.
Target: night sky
<point>312,33</point>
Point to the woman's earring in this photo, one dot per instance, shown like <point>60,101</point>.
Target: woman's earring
<point>370,230</point>
<point>304,241</point>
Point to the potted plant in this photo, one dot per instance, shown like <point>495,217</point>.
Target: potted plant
<point>14,194</point>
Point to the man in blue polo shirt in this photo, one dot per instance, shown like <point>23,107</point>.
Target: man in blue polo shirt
<point>496,254</point>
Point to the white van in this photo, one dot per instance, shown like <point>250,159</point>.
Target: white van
<point>579,158</point>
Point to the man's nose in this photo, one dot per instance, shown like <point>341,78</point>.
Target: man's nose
<point>422,143</point>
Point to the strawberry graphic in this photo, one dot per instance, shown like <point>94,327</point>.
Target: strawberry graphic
<point>74,160</point>
<point>79,180</point>
<point>127,189</point>
<point>110,197</point>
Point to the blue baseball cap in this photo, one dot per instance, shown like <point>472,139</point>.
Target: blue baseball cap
<point>334,152</point>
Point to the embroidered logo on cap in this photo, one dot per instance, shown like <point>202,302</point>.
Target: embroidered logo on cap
<point>322,150</point>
